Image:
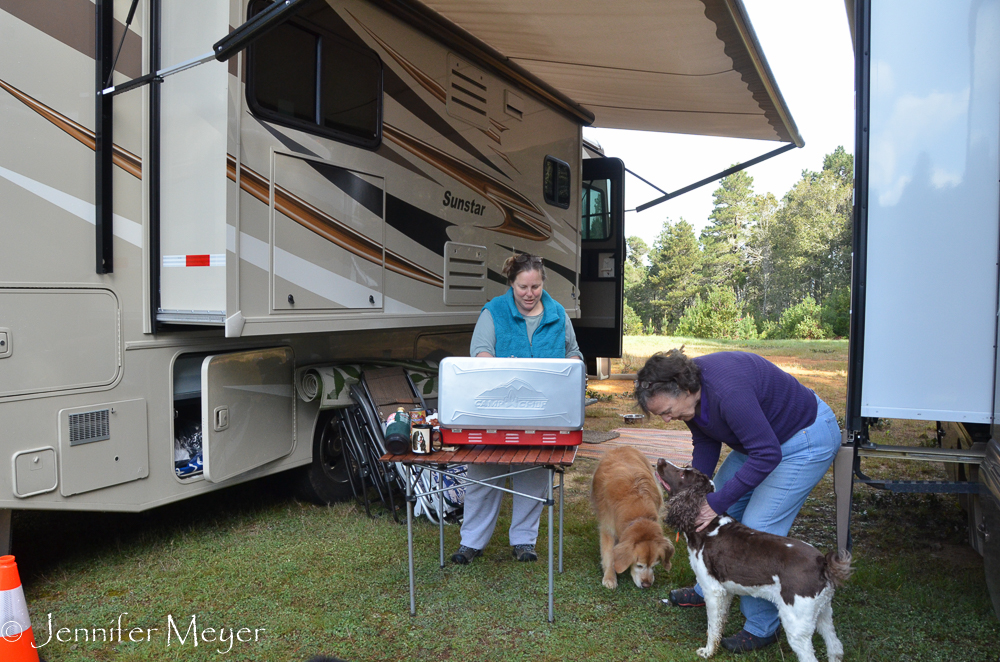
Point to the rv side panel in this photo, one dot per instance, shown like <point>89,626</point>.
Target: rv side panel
<point>930,313</point>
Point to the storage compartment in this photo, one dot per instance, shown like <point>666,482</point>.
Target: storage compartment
<point>39,355</point>
<point>511,401</point>
<point>232,412</point>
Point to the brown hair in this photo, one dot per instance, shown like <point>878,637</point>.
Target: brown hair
<point>670,372</point>
<point>519,262</point>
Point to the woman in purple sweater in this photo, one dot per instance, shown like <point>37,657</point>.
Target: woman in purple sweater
<point>783,440</point>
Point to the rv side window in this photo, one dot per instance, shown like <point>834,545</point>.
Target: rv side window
<point>312,73</point>
<point>555,182</point>
<point>596,219</point>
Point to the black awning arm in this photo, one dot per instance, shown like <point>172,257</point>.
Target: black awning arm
<point>646,181</point>
<point>709,180</point>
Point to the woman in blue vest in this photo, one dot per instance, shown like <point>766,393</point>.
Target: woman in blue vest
<point>523,323</point>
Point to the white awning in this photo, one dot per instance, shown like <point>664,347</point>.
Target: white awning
<point>679,66</point>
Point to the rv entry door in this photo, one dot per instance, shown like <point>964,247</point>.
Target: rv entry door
<point>602,258</point>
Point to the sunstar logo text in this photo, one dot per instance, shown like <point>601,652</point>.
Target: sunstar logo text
<point>515,394</point>
<point>462,204</point>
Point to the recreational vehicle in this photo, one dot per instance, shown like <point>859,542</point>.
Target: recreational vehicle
<point>181,234</point>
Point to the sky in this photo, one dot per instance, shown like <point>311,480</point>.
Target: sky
<point>807,44</point>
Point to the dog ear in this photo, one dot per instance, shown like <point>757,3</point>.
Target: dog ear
<point>666,553</point>
<point>624,556</point>
<point>683,509</point>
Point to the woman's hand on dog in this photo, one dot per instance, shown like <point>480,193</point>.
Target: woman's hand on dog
<point>705,516</point>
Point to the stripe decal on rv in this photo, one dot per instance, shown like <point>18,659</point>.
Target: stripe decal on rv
<point>327,226</point>
<point>121,157</point>
<point>213,260</point>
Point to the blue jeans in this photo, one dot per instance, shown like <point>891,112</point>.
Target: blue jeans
<point>773,505</point>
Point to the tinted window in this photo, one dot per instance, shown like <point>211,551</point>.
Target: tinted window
<point>314,74</point>
<point>346,104</point>
<point>555,182</point>
<point>289,91</point>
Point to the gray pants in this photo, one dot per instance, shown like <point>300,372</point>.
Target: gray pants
<point>482,504</point>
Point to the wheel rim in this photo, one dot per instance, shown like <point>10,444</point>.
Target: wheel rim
<point>332,458</point>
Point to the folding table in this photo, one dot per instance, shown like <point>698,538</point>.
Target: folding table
<point>554,459</point>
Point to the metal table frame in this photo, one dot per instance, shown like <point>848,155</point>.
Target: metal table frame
<point>552,459</point>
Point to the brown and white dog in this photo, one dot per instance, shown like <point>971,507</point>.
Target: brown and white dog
<point>730,559</point>
<point>627,500</point>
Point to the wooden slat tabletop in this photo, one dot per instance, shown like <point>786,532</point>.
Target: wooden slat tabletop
<point>559,456</point>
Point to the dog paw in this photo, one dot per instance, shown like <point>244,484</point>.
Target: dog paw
<point>705,652</point>
<point>610,582</point>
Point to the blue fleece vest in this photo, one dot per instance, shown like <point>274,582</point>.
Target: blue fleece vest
<point>549,339</point>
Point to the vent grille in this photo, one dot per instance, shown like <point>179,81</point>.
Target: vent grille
<point>468,93</point>
<point>89,426</point>
<point>464,274</point>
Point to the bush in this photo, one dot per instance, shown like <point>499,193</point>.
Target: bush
<point>717,316</point>
<point>803,321</point>
<point>632,322</point>
<point>837,312</point>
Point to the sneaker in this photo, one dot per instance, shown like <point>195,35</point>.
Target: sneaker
<point>524,552</point>
<point>744,642</point>
<point>686,597</point>
<point>464,555</point>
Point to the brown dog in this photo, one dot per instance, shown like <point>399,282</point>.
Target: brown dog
<point>627,499</point>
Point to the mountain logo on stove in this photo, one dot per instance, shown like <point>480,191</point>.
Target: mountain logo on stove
<point>515,394</point>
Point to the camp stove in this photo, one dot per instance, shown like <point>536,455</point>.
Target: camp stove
<point>529,402</point>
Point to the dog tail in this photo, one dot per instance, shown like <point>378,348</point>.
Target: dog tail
<point>838,567</point>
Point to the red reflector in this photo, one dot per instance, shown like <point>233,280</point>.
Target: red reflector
<point>198,261</point>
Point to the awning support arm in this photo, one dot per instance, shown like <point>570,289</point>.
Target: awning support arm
<point>646,181</point>
<point>720,175</point>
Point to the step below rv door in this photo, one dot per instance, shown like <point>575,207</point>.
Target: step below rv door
<point>602,257</point>
<point>247,410</point>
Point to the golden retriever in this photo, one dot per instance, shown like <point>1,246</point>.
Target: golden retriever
<point>627,499</point>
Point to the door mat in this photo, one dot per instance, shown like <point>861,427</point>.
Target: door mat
<point>595,437</point>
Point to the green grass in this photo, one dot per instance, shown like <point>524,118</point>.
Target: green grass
<point>332,581</point>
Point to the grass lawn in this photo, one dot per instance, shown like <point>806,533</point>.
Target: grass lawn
<point>280,580</point>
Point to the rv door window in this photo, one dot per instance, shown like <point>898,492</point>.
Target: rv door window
<point>596,221</point>
<point>312,73</point>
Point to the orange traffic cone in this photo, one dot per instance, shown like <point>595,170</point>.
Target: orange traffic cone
<point>17,643</point>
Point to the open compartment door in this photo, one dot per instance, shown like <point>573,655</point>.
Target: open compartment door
<point>602,258</point>
<point>247,410</point>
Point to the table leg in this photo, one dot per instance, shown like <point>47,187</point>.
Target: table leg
<point>551,506</point>
<point>561,474</point>
<point>409,536</point>
<point>441,518</point>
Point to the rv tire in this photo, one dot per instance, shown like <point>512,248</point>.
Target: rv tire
<point>327,479</point>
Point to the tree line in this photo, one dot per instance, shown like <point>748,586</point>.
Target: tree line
<point>760,267</point>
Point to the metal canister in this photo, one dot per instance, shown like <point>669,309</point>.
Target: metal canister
<point>420,439</point>
<point>397,433</point>
<point>418,417</point>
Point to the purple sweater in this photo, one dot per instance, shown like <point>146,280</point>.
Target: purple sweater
<point>752,406</point>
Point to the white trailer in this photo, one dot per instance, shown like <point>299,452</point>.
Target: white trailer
<point>175,241</point>
<point>926,239</point>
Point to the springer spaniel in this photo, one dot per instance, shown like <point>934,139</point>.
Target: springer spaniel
<point>730,559</point>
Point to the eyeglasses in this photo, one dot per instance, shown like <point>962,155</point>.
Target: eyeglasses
<point>643,384</point>
<point>526,257</point>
